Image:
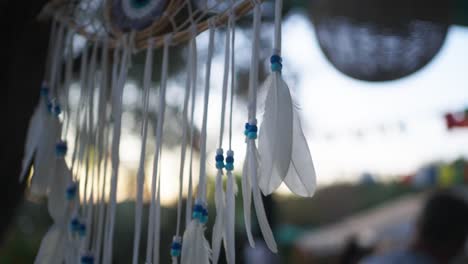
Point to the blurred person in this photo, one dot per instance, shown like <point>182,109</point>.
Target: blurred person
<point>353,252</point>
<point>441,232</point>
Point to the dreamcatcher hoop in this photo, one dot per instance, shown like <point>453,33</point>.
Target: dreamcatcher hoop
<point>170,21</point>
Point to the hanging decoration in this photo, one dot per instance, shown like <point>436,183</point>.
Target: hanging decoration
<point>80,177</point>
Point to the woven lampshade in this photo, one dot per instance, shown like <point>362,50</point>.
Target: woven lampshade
<point>380,40</point>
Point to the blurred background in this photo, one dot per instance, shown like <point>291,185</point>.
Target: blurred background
<point>382,95</point>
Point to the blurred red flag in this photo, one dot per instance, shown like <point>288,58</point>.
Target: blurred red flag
<point>453,121</point>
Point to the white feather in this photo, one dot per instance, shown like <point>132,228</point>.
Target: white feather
<point>52,249</point>
<point>301,178</point>
<point>157,225</point>
<point>247,198</point>
<point>175,260</point>
<point>257,197</point>
<point>275,136</point>
<point>44,161</point>
<point>195,248</point>
<point>57,202</point>
<point>33,137</point>
<point>230,210</point>
<point>218,228</point>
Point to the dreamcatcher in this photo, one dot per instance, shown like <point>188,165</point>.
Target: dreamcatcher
<point>82,190</point>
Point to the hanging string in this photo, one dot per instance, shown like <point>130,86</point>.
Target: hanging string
<point>194,74</point>
<point>233,78</point>
<point>141,168</point>
<point>159,135</point>
<point>202,181</point>
<point>67,83</point>
<point>277,41</point>
<point>188,85</point>
<point>117,116</point>
<point>102,148</point>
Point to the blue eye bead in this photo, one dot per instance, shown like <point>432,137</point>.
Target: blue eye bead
<point>61,149</point>
<point>275,59</point>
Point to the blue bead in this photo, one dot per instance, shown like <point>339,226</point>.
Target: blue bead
<point>229,166</point>
<point>74,224</point>
<point>204,219</point>
<point>87,259</point>
<point>219,158</point>
<point>176,245</point>
<point>82,229</point>
<point>229,159</point>
<point>61,148</point>
<point>219,165</point>
<point>71,192</point>
<point>175,253</point>
<point>198,208</point>
<point>57,109</point>
<point>276,59</point>
<point>44,91</point>
<point>196,215</point>
<point>276,67</point>
<point>247,126</point>
<point>253,128</point>
<point>49,107</point>
<point>252,135</point>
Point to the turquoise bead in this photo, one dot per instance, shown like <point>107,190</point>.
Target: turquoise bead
<point>229,166</point>
<point>219,165</point>
<point>276,67</point>
<point>252,135</point>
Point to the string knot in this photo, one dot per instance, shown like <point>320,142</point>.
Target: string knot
<point>219,158</point>
<point>176,246</point>
<point>75,225</point>
<point>276,63</point>
<point>44,89</point>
